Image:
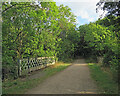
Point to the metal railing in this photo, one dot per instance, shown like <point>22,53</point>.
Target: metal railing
<point>28,65</point>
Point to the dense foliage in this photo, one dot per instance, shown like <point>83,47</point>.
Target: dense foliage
<point>112,22</point>
<point>45,29</point>
<point>101,38</point>
<point>112,8</point>
<point>100,41</point>
<point>35,30</point>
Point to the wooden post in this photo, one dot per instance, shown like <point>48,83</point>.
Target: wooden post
<point>36,67</point>
<point>28,65</point>
<point>46,61</point>
<point>18,62</point>
<point>19,67</point>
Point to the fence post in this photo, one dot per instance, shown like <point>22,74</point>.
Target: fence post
<point>36,62</point>
<point>28,65</point>
<point>46,61</point>
<point>19,67</point>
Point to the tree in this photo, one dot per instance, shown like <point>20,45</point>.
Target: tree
<point>112,8</point>
<point>35,29</point>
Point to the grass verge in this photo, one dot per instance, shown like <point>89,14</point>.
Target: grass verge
<point>103,80</point>
<point>20,86</point>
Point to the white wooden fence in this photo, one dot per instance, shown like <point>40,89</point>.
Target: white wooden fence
<point>31,64</point>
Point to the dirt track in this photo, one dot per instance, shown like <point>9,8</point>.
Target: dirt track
<point>73,80</point>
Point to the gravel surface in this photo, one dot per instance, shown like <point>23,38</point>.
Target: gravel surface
<point>73,80</point>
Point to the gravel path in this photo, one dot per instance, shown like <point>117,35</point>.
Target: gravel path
<point>73,80</point>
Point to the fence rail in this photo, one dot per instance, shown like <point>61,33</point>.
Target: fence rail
<point>31,64</point>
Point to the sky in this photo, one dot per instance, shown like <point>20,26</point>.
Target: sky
<point>85,10</point>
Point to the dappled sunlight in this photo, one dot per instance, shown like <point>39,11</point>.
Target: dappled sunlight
<point>86,92</point>
<point>57,64</point>
<point>80,64</point>
<point>90,91</point>
<point>90,64</point>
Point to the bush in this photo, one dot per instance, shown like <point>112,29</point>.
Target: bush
<point>111,60</point>
<point>114,63</point>
<point>9,68</point>
<point>107,59</point>
<point>9,72</point>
